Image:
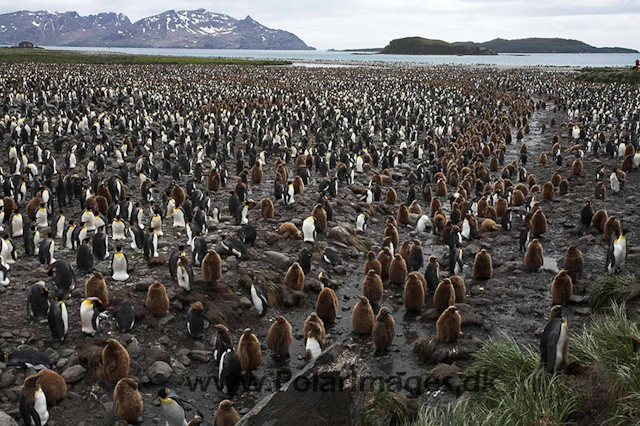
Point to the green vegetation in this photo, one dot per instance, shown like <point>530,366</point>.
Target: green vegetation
<point>545,45</point>
<point>605,391</point>
<point>424,46</point>
<point>609,75</point>
<point>10,54</point>
<point>388,408</point>
<point>611,287</point>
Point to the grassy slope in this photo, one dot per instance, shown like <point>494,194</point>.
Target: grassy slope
<point>609,75</point>
<point>75,57</point>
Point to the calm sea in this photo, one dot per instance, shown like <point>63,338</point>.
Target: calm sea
<point>311,56</point>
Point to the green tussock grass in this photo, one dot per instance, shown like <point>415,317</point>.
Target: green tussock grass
<point>504,359</point>
<point>387,408</point>
<point>608,288</point>
<point>10,54</point>
<point>609,75</point>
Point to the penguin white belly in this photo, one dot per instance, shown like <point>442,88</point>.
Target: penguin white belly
<point>40,405</point>
<point>466,230</point>
<point>65,316</point>
<point>178,219</point>
<point>156,224</point>
<point>89,221</point>
<point>173,414</point>
<point>313,346</point>
<point>86,315</point>
<point>183,278</point>
<point>16,227</point>
<point>562,340</point>
<point>41,219</point>
<point>244,219</point>
<point>117,231</point>
<point>120,268</point>
<point>4,279</point>
<point>257,302</point>
<point>308,230</point>
<point>60,229</point>
<point>617,256</point>
<point>155,245</point>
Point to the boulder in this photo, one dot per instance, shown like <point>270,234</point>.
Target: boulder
<point>7,420</point>
<point>334,399</point>
<point>159,372</point>
<point>277,259</point>
<point>74,374</point>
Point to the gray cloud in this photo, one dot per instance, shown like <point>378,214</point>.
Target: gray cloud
<point>372,23</point>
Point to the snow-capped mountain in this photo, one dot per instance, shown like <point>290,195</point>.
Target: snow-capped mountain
<point>175,29</point>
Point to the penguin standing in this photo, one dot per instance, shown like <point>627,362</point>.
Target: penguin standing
<point>309,229</point>
<point>117,229</point>
<point>259,297</point>
<point>230,372</point>
<point>58,224</point>
<point>173,408</point>
<point>137,236</point>
<point>101,244</point>
<point>184,273</point>
<point>178,217</point>
<point>249,234</point>
<point>90,315</point>
<point>8,251</point>
<point>63,276</point>
<point>33,403</point>
<point>45,251</point>
<point>16,225</point>
<point>126,317</point>
<point>58,319</point>
<point>361,223</point>
<point>554,342</point>
<point>85,257</point>
<point>222,342</point>
<point>38,301</point>
<point>195,320</point>
<point>617,254</point>
<point>119,265</point>
<point>156,223</point>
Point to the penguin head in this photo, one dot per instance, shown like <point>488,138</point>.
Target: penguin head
<point>246,332</point>
<point>226,405</point>
<point>163,393</point>
<point>44,291</point>
<point>221,329</point>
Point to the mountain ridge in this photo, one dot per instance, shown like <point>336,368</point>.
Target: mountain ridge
<point>197,28</point>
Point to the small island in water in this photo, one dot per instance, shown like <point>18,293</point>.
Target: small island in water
<point>425,46</point>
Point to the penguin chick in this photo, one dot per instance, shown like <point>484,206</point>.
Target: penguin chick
<point>115,361</point>
<point>249,351</point>
<point>372,263</point>
<point>413,293</point>
<point>383,329</point>
<point>327,305</point>
<point>561,288</point>
<point>279,337</point>
<point>362,317</point>
<point>397,270</point>
<point>444,296</point>
<point>533,258</point>
<point>127,401</point>
<point>482,267</point>
<point>266,208</point>
<point>449,325</point>
<point>157,300</point>
<point>53,385</point>
<point>574,262</point>
<point>96,286</point>
<point>459,287</point>
<point>599,219</point>
<point>372,287</point>
<point>211,267</point>
<point>294,279</point>
<point>289,231</point>
<point>226,414</point>
<point>313,320</point>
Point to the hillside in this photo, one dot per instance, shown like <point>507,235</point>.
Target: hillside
<point>172,29</point>
<point>544,45</point>
<point>424,46</point>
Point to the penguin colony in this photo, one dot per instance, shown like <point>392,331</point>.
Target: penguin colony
<point>129,206</point>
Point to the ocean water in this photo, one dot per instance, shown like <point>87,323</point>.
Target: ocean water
<point>311,56</point>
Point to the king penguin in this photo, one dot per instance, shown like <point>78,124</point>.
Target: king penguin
<point>184,273</point>
<point>58,319</point>
<point>126,317</point>
<point>309,229</point>
<point>173,408</point>
<point>85,257</point>
<point>195,320</point>
<point>90,315</point>
<point>33,403</point>
<point>259,297</point>
<point>38,301</point>
<point>117,229</point>
<point>63,276</point>
<point>101,244</point>
<point>119,265</point>
<point>554,342</point>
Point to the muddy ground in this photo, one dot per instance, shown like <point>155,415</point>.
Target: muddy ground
<point>512,302</point>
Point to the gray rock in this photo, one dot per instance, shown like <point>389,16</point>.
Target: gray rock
<point>7,420</point>
<point>159,372</point>
<point>74,374</point>
<point>277,259</point>
<point>134,348</point>
<point>202,356</point>
<point>245,303</point>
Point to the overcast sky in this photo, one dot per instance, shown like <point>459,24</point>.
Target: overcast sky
<point>344,24</point>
